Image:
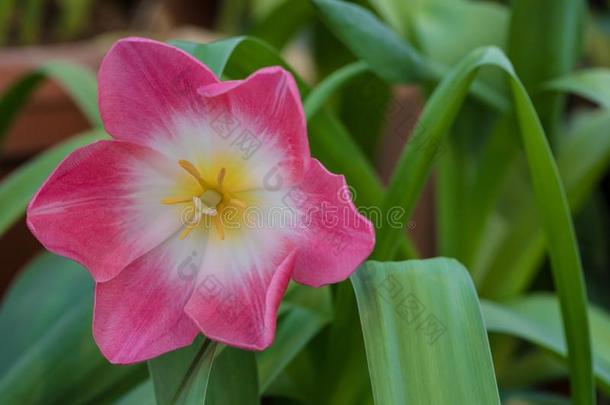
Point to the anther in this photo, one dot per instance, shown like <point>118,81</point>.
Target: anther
<point>221,177</point>
<point>175,200</point>
<point>193,171</point>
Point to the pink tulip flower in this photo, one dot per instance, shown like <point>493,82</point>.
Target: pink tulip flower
<point>200,210</point>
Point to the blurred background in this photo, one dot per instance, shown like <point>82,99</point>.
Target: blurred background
<point>34,32</point>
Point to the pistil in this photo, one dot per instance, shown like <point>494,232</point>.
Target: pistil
<point>209,203</point>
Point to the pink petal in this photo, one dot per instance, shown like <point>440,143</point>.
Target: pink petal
<point>237,304</point>
<point>336,238</point>
<point>140,313</point>
<point>269,106</point>
<point>143,84</point>
<point>101,206</point>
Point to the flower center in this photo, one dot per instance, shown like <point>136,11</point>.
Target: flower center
<point>207,204</point>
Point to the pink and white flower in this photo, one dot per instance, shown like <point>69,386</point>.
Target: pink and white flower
<point>160,215</point>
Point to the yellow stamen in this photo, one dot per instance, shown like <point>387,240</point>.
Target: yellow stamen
<point>219,229</point>
<point>193,171</point>
<point>221,177</point>
<point>175,200</point>
<point>185,232</point>
<point>237,203</point>
<point>207,203</point>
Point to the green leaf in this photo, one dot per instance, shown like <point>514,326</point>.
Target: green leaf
<point>417,318</point>
<point>34,296</point>
<point>386,53</point>
<point>447,30</point>
<point>295,330</point>
<point>583,157</point>
<point>7,8</point>
<point>51,353</point>
<point>592,84</point>
<point>281,24</point>
<point>341,367</point>
<point>328,53</point>
<point>139,395</point>
<point>369,39</point>
<point>364,108</point>
<point>526,370</point>
<point>490,179</point>
<point>234,379</point>
<point>457,170</point>
<point>305,312</point>
<point>545,38</point>
<point>17,189</point>
<point>181,376</point>
<point>399,14</point>
<point>236,57</point>
<point>532,64</point>
<point>537,319</point>
<point>426,143</point>
<point>414,166</point>
<point>544,43</point>
<point>77,81</point>
<point>320,94</point>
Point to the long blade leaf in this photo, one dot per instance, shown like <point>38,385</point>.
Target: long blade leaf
<point>181,377</point>
<point>537,319</point>
<point>76,80</point>
<point>387,54</point>
<point>423,330</point>
<point>413,169</point>
<point>583,156</point>
<point>48,352</point>
<point>316,98</point>
<point>592,84</point>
